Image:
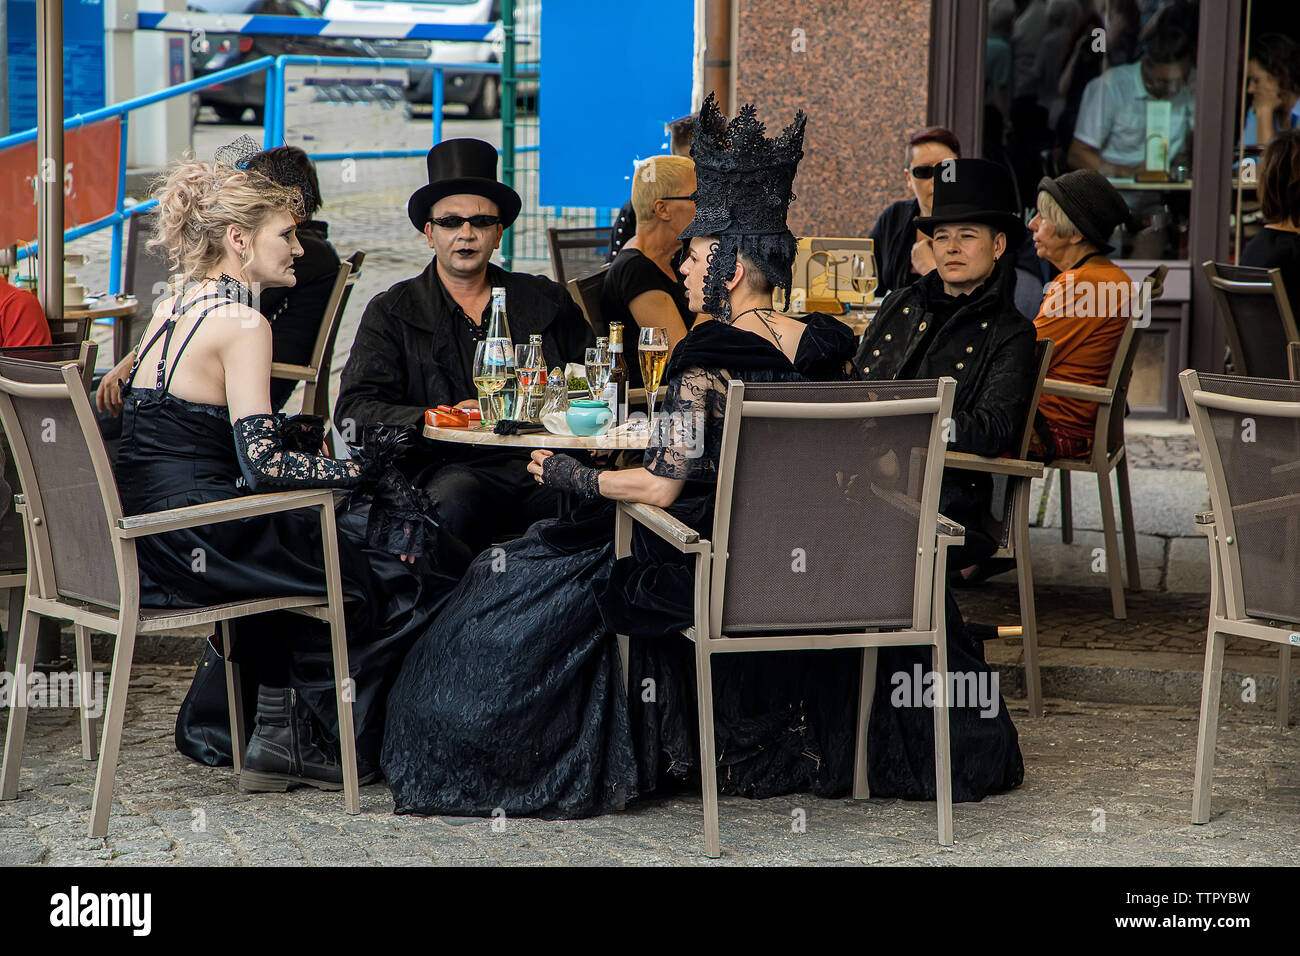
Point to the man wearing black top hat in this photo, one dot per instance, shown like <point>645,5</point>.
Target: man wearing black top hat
<point>961,321</point>
<point>414,348</point>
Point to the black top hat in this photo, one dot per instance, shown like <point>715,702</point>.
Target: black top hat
<point>462,166</point>
<point>1090,202</point>
<point>974,190</point>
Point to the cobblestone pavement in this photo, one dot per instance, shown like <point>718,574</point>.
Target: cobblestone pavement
<point>1103,785</point>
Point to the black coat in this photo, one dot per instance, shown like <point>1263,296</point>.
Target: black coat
<point>894,234</point>
<point>406,357</point>
<point>988,347</point>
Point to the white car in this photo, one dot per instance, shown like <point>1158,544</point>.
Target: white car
<point>481,92</point>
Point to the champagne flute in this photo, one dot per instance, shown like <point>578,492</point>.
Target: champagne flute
<point>494,361</point>
<point>596,361</point>
<point>652,352</point>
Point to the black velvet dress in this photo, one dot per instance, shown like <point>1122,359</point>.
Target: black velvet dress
<point>176,453</point>
<point>513,698</point>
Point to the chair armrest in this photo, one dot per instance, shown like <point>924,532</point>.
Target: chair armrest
<point>1073,389</point>
<point>1089,393</point>
<point>215,512</point>
<point>676,533</point>
<point>950,528</point>
<point>997,466</point>
<point>297,373</point>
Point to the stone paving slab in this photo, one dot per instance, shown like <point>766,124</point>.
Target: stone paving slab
<point>1165,501</point>
<point>1106,785</point>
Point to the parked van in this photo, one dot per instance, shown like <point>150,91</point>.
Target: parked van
<point>481,92</point>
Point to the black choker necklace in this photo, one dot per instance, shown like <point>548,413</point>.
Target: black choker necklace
<point>232,288</point>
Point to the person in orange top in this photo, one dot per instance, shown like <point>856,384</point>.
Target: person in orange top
<point>22,321</point>
<point>1084,308</point>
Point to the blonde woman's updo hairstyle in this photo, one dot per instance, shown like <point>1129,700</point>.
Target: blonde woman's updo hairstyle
<point>198,201</point>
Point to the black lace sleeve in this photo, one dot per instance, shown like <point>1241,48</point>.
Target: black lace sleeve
<point>688,431</point>
<point>269,464</point>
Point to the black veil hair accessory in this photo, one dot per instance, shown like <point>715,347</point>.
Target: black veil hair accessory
<point>238,153</point>
<point>743,193</point>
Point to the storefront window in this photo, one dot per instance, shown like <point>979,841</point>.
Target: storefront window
<point>1271,78</point>
<point>1099,84</point>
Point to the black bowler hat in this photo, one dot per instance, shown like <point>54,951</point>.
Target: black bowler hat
<point>462,166</point>
<point>1090,202</point>
<point>974,190</point>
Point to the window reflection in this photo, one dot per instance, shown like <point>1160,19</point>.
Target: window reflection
<point>1100,84</point>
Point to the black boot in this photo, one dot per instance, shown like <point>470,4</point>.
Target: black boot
<point>287,750</point>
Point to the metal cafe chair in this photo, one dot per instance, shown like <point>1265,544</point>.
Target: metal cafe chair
<point>1256,315</point>
<point>826,470</point>
<point>1108,455</point>
<point>13,546</point>
<point>315,376</point>
<point>83,550</point>
<point>577,252</point>
<point>1011,531</point>
<point>586,292</point>
<point>1248,430</point>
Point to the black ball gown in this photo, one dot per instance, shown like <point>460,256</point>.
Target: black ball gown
<point>176,453</point>
<point>512,700</point>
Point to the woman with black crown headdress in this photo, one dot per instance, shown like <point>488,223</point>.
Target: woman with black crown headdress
<point>513,698</point>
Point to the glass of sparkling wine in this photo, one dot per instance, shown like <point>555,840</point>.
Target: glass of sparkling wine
<point>597,363</point>
<point>494,361</point>
<point>652,351</point>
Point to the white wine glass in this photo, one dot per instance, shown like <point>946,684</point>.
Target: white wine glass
<point>652,352</point>
<point>530,372</point>
<point>494,361</point>
<point>596,361</point>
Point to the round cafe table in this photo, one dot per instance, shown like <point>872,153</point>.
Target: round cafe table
<point>483,435</point>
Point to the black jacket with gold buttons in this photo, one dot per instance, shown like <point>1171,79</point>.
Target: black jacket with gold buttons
<point>981,341</point>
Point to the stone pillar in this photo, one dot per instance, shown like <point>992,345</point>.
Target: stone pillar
<point>860,69</point>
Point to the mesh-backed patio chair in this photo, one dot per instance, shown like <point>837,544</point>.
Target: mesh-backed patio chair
<point>13,545</point>
<point>1011,529</point>
<point>1248,430</point>
<point>1257,317</point>
<point>146,276</point>
<point>84,553</point>
<point>586,292</point>
<point>577,252</point>
<point>316,374</point>
<point>1108,455</point>
<point>829,478</point>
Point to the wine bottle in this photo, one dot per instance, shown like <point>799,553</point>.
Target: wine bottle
<point>618,375</point>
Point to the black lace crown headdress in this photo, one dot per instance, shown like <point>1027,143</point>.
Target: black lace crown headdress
<point>743,193</point>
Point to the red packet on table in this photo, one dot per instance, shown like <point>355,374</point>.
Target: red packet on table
<point>445,416</point>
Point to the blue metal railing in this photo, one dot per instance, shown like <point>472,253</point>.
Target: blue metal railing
<point>273,129</point>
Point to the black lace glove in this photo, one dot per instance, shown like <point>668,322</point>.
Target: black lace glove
<point>381,445</point>
<point>568,474</point>
<point>269,464</point>
<point>402,518</point>
<point>303,433</point>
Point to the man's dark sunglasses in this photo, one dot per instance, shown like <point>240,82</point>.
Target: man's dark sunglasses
<point>676,197</point>
<point>923,172</point>
<point>455,222</point>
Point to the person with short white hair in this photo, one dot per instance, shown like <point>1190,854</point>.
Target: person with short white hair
<point>1085,307</point>
<point>641,288</point>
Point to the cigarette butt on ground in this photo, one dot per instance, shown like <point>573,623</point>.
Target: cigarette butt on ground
<point>1011,631</point>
